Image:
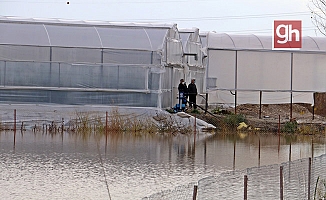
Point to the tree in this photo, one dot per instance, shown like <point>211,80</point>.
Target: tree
<point>318,11</point>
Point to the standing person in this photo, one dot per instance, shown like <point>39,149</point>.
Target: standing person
<point>192,91</point>
<point>182,88</point>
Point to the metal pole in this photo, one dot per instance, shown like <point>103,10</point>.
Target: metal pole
<point>291,105</point>
<point>309,178</point>
<point>15,120</point>
<point>313,107</point>
<point>4,75</point>
<point>234,145</point>
<point>279,124</point>
<point>236,82</point>
<point>260,100</point>
<point>106,123</point>
<point>195,126</point>
<point>62,125</point>
<point>312,148</point>
<point>195,192</point>
<point>259,153</point>
<point>206,103</point>
<point>279,133</point>
<point>245,187</point>
<point>14,128</point>
<point>290,152</point>
<point>281,182</point>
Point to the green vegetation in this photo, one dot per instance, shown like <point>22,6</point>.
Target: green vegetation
<point>232,121</point>
<point>290,127</point>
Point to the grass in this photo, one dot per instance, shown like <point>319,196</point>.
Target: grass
<point>118,123</point>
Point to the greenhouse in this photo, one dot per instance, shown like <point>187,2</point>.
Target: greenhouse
<point>95,62</point>
<point>245,69</point>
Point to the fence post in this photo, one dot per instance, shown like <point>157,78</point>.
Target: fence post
<point>62,125</point>
<point>281,182</point>
<point>290,151</point>
<point>260,101</point>
<point>279,124</point>
<point>309,178</point>
<point>206,103</point>
<point>106,123</point>
<point>195,124</point>
<point>195,192</point>
<point>15,120</point>
<point>259,152</point>
<point>245,187</point>
<point>234,147</point>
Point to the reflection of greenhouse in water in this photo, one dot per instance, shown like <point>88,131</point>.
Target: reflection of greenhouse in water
<point>78,62</point>
<point>129,64</point>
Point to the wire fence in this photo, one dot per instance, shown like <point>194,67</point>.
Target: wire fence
<point>299,179</point>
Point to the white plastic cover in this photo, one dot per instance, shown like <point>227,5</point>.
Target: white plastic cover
<point>82,62</point>
<point>248,64</point>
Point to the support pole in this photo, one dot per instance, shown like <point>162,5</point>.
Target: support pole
<point>291,104</point>
<point>195,192</point>
<point>106,123</point>
<point>206,103</point>
<point>290,151</point>
<point>281,182</point>
<point>234,145</point>
<point>279,124</point>
<point>236,82</point>
<point>309,178</point>
<point>260,100</point>
<point>259,153</point>
<point>245,192</point>
<point>15,120</point>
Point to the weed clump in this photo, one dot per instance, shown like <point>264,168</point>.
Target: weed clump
<point>115,122</point>
<point>290,127</point>
<point>232,121</point>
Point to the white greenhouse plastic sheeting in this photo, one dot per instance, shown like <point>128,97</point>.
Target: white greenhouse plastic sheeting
<point>85,62</point>
<point>247,64</point>
<point>140,64</point>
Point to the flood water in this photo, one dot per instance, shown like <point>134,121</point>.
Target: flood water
<point>127,166</point>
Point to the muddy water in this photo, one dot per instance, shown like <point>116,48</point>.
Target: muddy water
<point>127,166</point>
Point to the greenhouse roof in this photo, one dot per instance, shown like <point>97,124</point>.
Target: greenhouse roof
<point>258,42</point>
<point>189,35</point>
<point>91,34</point>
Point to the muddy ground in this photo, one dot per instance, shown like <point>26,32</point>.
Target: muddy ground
<point>270,118</point>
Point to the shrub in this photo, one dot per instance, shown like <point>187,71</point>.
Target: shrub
<point>233,120</point>
<point>290,127</point>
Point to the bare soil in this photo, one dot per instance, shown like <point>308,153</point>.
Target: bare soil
<point>270,117</point>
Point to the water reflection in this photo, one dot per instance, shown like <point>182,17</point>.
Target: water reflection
<point>82,166</point>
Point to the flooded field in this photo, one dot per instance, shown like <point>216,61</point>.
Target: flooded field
<point>127,166</point>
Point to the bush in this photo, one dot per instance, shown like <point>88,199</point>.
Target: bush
<point>233,120</point>
<point>290,127</point>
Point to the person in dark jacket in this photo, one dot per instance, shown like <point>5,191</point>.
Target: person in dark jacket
<point>182,87</point>
<point>192,92</point>
<point>183,90</point>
